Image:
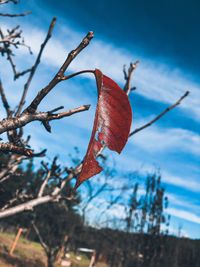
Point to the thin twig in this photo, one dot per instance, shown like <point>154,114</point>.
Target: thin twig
<point>76,171</point>
<point>45,247</point>
<point>21,73</point>
<point>33,69</point>
<point>41,191</point>
<point>76,74</point>
<point>49,173</point>
<point>15,15</point>
<point>4,100</point>
<point>11,166</point>
<point>128,76</point>
<point>160,115</point>
<point>8,41</point>
<point>8,52</point>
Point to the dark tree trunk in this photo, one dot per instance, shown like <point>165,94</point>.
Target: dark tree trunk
<point>50,260</point>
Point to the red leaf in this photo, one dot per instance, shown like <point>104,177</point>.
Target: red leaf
<point>111,125</point>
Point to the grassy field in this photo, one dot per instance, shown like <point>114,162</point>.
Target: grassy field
<point>26,253</point>
<point>30,254</point>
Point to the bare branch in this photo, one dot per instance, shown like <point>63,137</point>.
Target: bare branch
<point>7,50</point>
<point>55,196</point>
<point>76,74</point>
<point>11,36</point>
<point>13,39</point>
<point>15,15</point>
<point>25,118</point>
<point>33,69</point>
<point>21,73</point>
<point>53,171</point>
<point>75,172</point>
<point>20,150</point>
<point>128,76</point>
<point>4,100</point>
<point>160,115</point>
<point>11,167</point>
<point>45,247</point>
<point>28,206</point>
<point>9,147</point>
<point>60,74</point>
<point>41,191</point>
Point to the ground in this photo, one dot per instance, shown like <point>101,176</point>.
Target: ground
<point>29,254</point>
<point>26,253</point>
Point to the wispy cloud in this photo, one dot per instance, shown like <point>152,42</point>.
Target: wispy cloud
<point>162,139</point>
<point>186,215</point>
<point>183,182</point>
<point>142,167</point>
<point>182,201</point>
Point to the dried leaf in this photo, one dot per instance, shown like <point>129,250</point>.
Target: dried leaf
<point>111,125</point>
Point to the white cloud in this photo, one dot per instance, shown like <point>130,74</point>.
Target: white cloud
<point>184,182</point>
<point>180,201</point>
<point>128,163</point>
<point>161,139</point>
<point>186,215</point>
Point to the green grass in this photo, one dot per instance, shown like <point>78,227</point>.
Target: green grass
<point>31,254</point>
<point>26,253</point>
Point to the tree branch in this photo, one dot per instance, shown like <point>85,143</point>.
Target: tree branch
<point>160,115</point>
<point>33,69</point>
<point>60,74</point>
<point>128,76</point>
<point>54,196</point>
<point>25,118</point>
<point>50,172</point>
<point>9,41</point>
<point>4,100</point>
<point>11,166</point>
<point>45,247</point>
<point>28,206</point>
<point>15,15</point>
<point>20,150</point>
<point>76,74</point>
<point>75,172</point>
<point>41,191</point>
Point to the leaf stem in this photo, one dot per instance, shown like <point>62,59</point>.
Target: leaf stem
<point>76,74</point>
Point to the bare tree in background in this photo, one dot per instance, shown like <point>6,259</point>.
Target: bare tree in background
<point>17,148</point>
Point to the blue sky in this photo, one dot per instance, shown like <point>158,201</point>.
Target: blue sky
<point>162,35</point>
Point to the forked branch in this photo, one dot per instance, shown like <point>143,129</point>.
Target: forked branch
<point>60,74</point>
<point>25,118</point>
<point>128,76</point>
